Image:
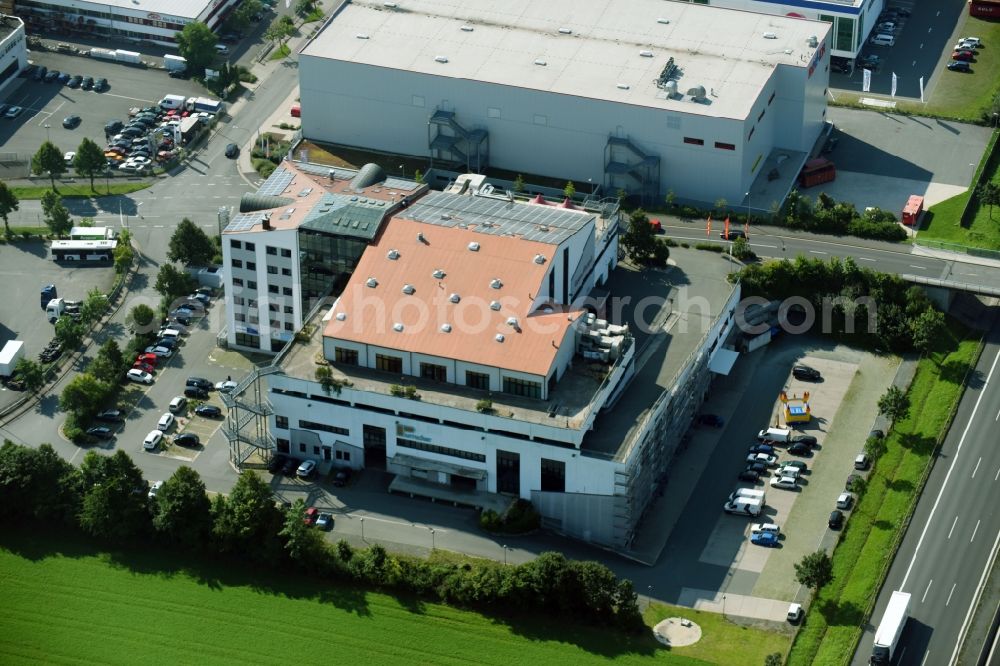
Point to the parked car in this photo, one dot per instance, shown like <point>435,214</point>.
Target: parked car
<point>145,367</point>
<point>152,440</point>
<point>40,73</point>
<point>766,539</point>
<point>154,489</point>
<point>836,520</point>
<point>166,343</point>
<point>861,461</point>
<point>195,392</point>
<point>797,464</point>
<point>756,528</point>
<point>959,66</point>
<point>306,469</point>
<point>188,439</point>
<point>226,386</point>
<point>732,235</point>
<point>806,373</point>
<point>784,482</point>
<point>972,40</point>
<point>963,55</point>
<point>310,516</point>
<point>151,359</point>
<point>763,458</point>
<point>100,432</point>
<point>200,382</point>
<point>799,449</point>
<point>51,76</point>
<point>200,297</point>
<point>110,415</point>
<point>762,448</point>
<point>342,477</point>
<point>845,501</point>
<point>139,376</point>
<point>232,151</point>
<point>87,83</point>
<point>178,404</point>
<point>276,463</point>
<point>100,85</point>
<point>808,440</point>
<point>208,411</point>
<point>159,351</point>
<point>748,475</point>
<point>70,122</point>
<point>758,467</point>
<point>291,465</point>
<point>876,434</point>
<point>13,112</point>
<point>165,422</point>
<point>324,521</point>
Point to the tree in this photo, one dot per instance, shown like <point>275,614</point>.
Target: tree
<point>109,364</point>
<point>114,497</point>
<point>989,194</point>
<point>241,18</point>
<point>304,7</point>
<point>519,183</point>
<point>56,215</point>
<point>31,373</point>
<point>49,159</point>
<point>8,204</point>
<point>84,395</point>
<point>248,522</point>
<point>37,485</point>
<point>670,199</point>
<point>89,160</point>
<point>815,570</point>
<point>303,544</point>
<point>197,44</point>
<point>639,240</point>
<point>570,190</point>
<point>172,283</point>
<point>69,333</point>
<point>773,659</point>
<point>94,306</point>
<point>280,29</point>
<point>894,404</point>
<point>182,510</point>
<point>741,249</point>
<point>875,447</point>
<point>721,205</point>
<point>190,245</point>
<point>926,329</point>
<point>141,319</point>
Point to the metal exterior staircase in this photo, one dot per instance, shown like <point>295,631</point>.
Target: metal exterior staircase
<point>630,168</point>
<point>450,141</point>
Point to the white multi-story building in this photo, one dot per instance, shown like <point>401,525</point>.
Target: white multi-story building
<point>852,20</point>
<point>642,95</point>
<point>13,50</point>
<point>464,359</point>
<point>304,228</point>
<point>124,21</point>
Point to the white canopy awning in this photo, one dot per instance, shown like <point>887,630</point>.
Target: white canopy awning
<point>722,361</point>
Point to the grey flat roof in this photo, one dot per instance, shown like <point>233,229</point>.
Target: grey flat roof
<point>498,216</point>
<point>338,214</point>
<point>613,50</point>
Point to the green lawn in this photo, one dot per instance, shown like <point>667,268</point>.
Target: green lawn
<point>282,51</point>
<point>64,601</point>
<point>78,190</point>
<point>833,626</point>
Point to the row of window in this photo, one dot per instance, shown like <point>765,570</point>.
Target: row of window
<point>271,288</point>
<point>313,425</point>
<point>701,142</point>
<point>252,303</point>
<point>253,319</point>
<point>252,247</point>
<point>440,450</point>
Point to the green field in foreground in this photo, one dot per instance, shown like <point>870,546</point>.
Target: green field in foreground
<point>64,601</point>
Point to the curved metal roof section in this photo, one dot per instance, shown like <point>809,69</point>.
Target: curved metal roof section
<point>369,175</point>
<point>251,201</point>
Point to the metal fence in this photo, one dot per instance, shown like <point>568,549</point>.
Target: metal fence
<point>959,248</point>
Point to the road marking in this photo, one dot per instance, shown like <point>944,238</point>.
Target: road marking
<point>977,467</point>
<point>914,63</point>
<point>997,417</point>
<point>773,247</point>
<point>923,598</point>
<point>865,259</point>
<point>816,252</point>
<point>924,662</point>
<point>951,468</point>
<point>974,530</point>
<point>950,593</point>
<point>953,524</point>
<point>975,599</point>
<point>997,477</point>
<point>923,268</point>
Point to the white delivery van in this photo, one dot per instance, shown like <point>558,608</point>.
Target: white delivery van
<point>744,506</point>
<point>746,492</point>
<point>222,49</point>
<point>172,102</point>
<point>883,40</point>
<point>775,434</point>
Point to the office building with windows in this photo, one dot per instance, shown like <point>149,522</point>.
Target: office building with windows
<point>13,51</point>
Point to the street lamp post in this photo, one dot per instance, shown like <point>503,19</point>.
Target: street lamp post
<point>47,128</point>
<point>137,207</point>
<point>432,538</point>
<point>723,606</point>
<point>649,596</point>
<point>505,555</point>
<point>362,529</point>
<point>748,211</point>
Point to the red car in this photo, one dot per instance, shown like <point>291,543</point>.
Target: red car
<point>145,367</point>
<point>963,55</point>
<point>150,359</point>
<point>312,513</point>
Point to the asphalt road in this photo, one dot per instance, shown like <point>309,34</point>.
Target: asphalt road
<point>946,552</point>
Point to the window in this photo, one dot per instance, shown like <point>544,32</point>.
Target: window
<point>844,39</point>
<point>251,284</point>
<point>553,476</point>
<point>344,455</point>
<point>492,112</point>
<point>251,265</point>
<point>750,135</point>
<point>388,363</point>
<point>418,100</point>
<point>438,373</point>
<point>237,282</point>
<point>281,421</point>
<point>239,316</point>
<point>289,326</point>
<point>302,447</point>
<point>272,307</point>
<point>286,253</point>
<point>248,340</point>
<point>724,146</point>
<point>287,291</point>
<point>272,270</point>
<point>252,247</point>
<point>522,387</point>
<point>477,380</point>
<point>289,310</point>
<point>312,425</point>
<point>346,356</point>
<point>693,141</point>
<point>315,450</point>
<point>239,300</point>
<point>770,99</point>
<point>287,272</point>
<point>347,455</point>
<point>273,251</point>
<point>284,446</point>
<point>441,450</point>
<point>761,116</point>
<point>237,263</point>
<point>235,244</point>
<point>272,288</point>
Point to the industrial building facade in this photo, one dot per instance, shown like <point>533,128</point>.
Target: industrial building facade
<point>13,50</point>
<point>646,96</point>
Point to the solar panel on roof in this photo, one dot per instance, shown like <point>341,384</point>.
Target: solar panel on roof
<point>276,183</point>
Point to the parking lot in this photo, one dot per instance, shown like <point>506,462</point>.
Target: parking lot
<point>49,103</point>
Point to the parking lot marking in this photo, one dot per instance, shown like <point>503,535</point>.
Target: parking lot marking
<point>974,530</point>
<point>923,268</point>
<point>865,259</point>
<point>952,526</point>
<point>977,467</point>
<point>816,252</point>
<point>997,477</point>
<point>923,598</point>
<point>950,593</point>
<point>134,99</point>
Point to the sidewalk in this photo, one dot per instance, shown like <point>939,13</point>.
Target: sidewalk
<point>947,255</point>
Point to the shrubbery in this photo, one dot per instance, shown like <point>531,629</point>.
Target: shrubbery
<point>832,217</point>
<point>106,498</point>
<point>519,518</point>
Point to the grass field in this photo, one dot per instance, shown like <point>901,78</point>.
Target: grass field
<point>833,626</point>
<point>78,190</point>
<point>64,601</point>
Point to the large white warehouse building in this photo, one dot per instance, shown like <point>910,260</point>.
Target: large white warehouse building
<point>642,95</point>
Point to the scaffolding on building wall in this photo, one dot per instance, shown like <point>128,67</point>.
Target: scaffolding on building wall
<point>246,422</point>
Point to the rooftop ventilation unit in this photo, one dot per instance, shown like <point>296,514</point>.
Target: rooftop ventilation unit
<point>622,86</point>
<point>499,337</point>
<point>398,327</point>
<point>663,21</point>
<point>408,289</point>
<point>512,322</point>
<point>467,28</point>
<point>474,246</point>
<point>371,282</point>
<point>668,72</point>
<point>496,283</point>
<point>540,62</point>
<point>495,306</point>
<point>421,238</point>
<point>670,88</point>
<point>440,58</point>
<point>392,254</point>
<point>646,54</point>
<point>446,328</point>
<point>390,5</point>
<point>812,41</point>
<point>341,316</point>
<point>770,35</point>
<point>333,174</point>
<point>697,93</point>
<point>539,259</point>
<point>565,31</point>
<point>438,273</point>
<point>361,35</point>
<point>454,298</point>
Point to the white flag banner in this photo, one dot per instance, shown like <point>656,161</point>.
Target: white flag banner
<point>893,93</point>
<point>921,89</point>
<point>866,80</point>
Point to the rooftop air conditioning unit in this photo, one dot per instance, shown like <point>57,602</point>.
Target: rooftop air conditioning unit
<point>496,283</point>
<point>474,246</point>
<point>408,289</point>
<point>438,274</point>
<point>770,35</point>
<point>371,282</point>
<point>392,254</point>
<point>441,58</point>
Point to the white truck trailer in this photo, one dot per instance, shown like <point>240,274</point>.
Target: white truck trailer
<point>890,628</point>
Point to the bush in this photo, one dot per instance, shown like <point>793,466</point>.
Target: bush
<point>709,247</point>
<point>74,432</point>
<point>264,167</point>
<point>484,406</point>
<point>519,518</point>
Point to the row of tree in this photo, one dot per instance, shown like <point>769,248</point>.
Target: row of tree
<point>107,499</point>
<point>829,216</point>
<point>904,317</point>
<point>89,161</point>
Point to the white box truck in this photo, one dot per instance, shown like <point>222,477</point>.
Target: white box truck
<point>745,506</point>
<point>890,628</point>
<point>175,63</point>
<point>11,353</point>
<point>746,492</point>
<point>775,434</point>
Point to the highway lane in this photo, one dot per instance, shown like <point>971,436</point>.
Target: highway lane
<point>954,532</point>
